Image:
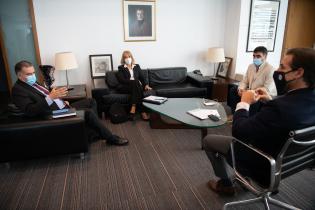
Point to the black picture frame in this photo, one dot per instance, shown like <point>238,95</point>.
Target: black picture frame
<point>224,67</point>
<point>265,38</point>
<point>100,64</point>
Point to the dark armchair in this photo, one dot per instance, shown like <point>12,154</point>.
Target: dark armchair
<point>23,138</point>
<point>297,154</point>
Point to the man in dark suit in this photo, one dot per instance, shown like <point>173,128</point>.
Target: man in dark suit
<point>294,108</point>
<point>35,100</point>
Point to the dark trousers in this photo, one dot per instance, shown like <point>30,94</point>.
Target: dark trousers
<point>217,149</point>
<point>233,99</point>
<point>94,125</point>
<point>135,90</point>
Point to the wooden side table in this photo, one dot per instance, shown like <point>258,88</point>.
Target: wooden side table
<point>220,88</point>
<point>78,93</point>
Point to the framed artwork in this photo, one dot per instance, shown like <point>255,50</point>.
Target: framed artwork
<point>224,67</point>
<point>263,23</point>
<point>100,64</point>
<point>139,20</point>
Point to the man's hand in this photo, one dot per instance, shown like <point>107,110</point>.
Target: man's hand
<point>147,87</point>
<point>58,93</point>
<point>262,94</point>
<point>248,97</point>
<point>240,92</point>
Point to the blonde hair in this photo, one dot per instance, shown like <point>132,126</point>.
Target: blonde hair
<point>126,53</point>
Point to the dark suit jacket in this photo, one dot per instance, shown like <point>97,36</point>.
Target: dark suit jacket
<point>269,128</point>
<point>31,101</point>
<point>123,75</point>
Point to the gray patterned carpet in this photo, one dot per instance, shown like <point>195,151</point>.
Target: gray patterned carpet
<point>160,169</point>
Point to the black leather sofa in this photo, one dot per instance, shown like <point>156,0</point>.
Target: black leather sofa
<point>23,138</point>
<point>172,82</point>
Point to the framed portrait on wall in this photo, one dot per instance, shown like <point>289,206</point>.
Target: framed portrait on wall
<point>100,64</point>
<point>224,67</point>
<point>139,20</point>
<point>263,23</point>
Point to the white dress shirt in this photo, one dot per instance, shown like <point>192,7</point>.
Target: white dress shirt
<point>60,103</point>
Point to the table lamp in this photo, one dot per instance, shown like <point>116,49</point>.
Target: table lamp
<point>215,55</point>
<point>65,61</point>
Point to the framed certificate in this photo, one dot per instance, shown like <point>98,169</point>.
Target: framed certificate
<point>263,23</point>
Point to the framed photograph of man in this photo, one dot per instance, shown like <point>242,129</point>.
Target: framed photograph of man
<point>139,20</point>
<point>100,64</point>
<point>224,67</point>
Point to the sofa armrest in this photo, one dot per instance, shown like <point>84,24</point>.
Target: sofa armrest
<point>23,138</point>
<point>100,88</point>
<point>198,80</point>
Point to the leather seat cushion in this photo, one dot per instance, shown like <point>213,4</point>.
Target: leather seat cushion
<point>115,97</point>
<point>184,90</point>
<point>159,76</point>
<point>111,79</point>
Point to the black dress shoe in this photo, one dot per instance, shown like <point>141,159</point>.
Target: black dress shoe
<point>118,141</point>
<point>219,187</point>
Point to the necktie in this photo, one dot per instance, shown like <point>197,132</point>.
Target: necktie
<point>41,88</point>
<point>47,93</point>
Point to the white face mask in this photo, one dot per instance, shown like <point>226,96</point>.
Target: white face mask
<point>128,61</point>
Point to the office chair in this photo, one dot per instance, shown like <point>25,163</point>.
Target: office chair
<point>297,154</point>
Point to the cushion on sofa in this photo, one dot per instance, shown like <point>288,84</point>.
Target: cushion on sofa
<point>111,79</point>
<point>115,97</point>
<point>159,76</point>
<point>184,90</point>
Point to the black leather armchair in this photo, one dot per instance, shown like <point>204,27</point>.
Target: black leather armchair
<point>167,82</point>
<point>23,138</point>
<point>297,154</point>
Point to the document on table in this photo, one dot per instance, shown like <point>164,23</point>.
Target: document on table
<point>155,99</point>
<point>203,113</point>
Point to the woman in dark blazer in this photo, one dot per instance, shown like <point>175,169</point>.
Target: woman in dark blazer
<point>132,80</point>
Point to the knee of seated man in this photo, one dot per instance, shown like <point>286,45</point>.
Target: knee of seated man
<point>217,143</point>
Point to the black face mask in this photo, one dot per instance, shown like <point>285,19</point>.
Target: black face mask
<point>280,82</point>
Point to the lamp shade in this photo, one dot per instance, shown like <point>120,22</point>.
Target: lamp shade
<point>215,55</point>
<point>65,61</point>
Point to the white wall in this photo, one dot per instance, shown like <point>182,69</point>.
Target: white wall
<point>185,29</point>
<point>232,23</point>
<point>239,14</point>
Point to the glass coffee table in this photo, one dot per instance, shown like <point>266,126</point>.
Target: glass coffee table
<point>177,108</point>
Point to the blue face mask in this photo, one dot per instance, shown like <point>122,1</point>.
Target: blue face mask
<point>31,79</point>
<point>257,61</point>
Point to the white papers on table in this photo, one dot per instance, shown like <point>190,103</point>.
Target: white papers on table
<point>203,113</point>
<point>208,102</point>
<point>155,99</point>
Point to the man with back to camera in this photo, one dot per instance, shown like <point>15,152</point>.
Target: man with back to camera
<point>258,74</point>
<point>35,100</point>
<point>268,129</point>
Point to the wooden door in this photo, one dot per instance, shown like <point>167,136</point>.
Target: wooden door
<point>300,24</point>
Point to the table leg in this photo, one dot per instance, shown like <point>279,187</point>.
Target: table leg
<point>204,132</point>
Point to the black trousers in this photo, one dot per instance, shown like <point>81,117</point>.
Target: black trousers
<point>233,99</point>
<point>135,90</point>
<point>94,125</point>
<point>217,149</point>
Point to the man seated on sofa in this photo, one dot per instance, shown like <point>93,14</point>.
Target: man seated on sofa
<point>258,74</point>
<point>268,129</point>
<point>35,100</point>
